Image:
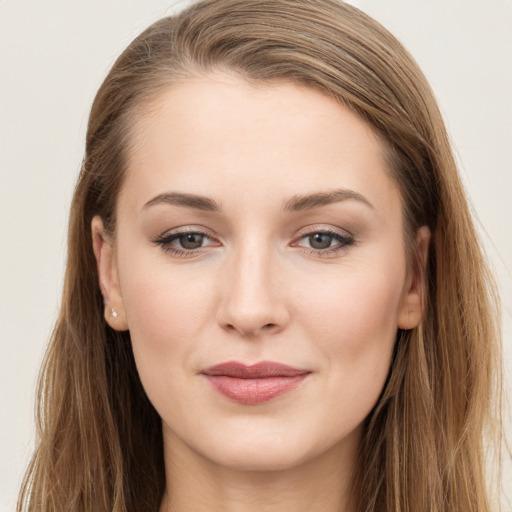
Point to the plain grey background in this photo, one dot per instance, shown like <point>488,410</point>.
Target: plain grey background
<point>53,56</point>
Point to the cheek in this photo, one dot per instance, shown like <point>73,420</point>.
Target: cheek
<point>354,325</point>
<point>357,303</point>
<point>166,309</point>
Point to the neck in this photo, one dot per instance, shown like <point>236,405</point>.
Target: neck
<point>324,483</point>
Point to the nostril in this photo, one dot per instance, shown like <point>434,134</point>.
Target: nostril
<point>251,315</point>
<point>248,331</point>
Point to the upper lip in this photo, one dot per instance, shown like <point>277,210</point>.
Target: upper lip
<point>259,370</point>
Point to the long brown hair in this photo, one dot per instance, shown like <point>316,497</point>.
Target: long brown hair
<point>100,440</point>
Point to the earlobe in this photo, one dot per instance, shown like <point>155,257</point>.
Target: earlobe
<point>108,278</point>
<point>413,301</point>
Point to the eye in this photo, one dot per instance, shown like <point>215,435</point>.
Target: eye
<point>191,240</point>
<point>185,243</point>
<point>324,242</point>
<point>320,240</point>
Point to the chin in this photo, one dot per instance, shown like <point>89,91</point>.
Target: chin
<point>257,459</point>
<point>273,452</point>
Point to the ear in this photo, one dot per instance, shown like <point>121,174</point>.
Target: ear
<point>412,305</point>
<point>106,265</point>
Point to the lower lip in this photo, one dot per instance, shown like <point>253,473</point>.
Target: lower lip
<point>254,391</point>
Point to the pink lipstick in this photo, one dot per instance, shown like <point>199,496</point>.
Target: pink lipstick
<point>254,384</point>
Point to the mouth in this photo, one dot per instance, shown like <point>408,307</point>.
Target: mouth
<point>255,384</point>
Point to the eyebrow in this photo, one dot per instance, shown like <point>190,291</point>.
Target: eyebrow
<point>294,204</point>
<point>188,200</point>
<point>310,201</point>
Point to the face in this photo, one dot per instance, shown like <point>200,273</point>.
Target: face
<point>259,265</point>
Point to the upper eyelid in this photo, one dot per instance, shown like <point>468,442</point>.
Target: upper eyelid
<point>188,229</point>
<point>324,229</point>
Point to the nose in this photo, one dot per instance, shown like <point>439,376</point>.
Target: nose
<point>253,300</point>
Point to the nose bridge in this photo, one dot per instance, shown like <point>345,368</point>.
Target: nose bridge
<point>252,301</point>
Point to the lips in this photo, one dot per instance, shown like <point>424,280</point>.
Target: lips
<point>254,384</point>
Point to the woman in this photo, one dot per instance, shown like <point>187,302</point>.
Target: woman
<point>275,298</point>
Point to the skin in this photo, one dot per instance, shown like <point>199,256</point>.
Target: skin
<point>258,289</point>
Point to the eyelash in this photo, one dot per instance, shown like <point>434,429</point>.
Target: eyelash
<point>344,241</point>
<point>165,241</point>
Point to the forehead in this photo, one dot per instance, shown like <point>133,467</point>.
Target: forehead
<point>218,134</point>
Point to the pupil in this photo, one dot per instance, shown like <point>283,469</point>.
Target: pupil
<point>191,241</point>
<point>320,241</point>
